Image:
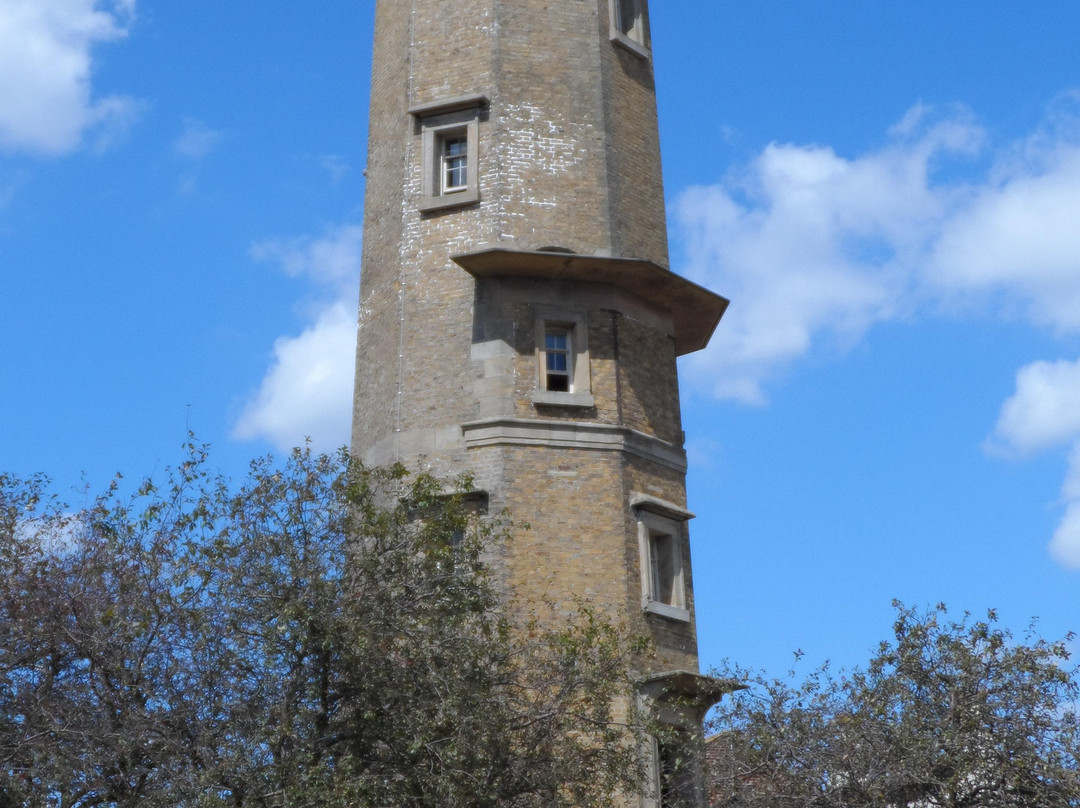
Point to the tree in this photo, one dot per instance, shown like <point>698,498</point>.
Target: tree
<point>326,635</point>
<point>952,713</point>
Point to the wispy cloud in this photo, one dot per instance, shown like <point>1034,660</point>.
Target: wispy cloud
<point>47,103</point>
<point>335,166</point>
<point>196,140</point>
<point>331,261</point>
<point>814,248</point>
<point>10,183</point>
<point>307,390</point>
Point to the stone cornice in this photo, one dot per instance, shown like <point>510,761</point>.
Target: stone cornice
<point>453,104</point>
<point>694,310</point>
<point>647,502</point>
<point>572,435</point>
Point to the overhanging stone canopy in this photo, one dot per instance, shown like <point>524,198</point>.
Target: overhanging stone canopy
<point>688,691</point>
<point>695,311</point>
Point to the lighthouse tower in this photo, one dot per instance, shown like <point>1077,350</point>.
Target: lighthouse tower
<point>518,320</point>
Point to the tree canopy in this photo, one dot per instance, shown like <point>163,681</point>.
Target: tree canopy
<point>952,713</point>
<point>323,635</point>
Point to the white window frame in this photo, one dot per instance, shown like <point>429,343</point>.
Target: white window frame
<point>441,122</point>
<point>448,162</point>
<point>632,34</point>
<point>574,325</point>
<point>548,374</point>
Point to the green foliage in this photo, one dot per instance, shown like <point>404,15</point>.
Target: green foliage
<point>953,713</point>
<point>327,635</point>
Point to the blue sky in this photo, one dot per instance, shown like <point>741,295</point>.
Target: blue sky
<point>888,192</point>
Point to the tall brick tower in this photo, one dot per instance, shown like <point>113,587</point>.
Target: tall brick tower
<point>517,316</point>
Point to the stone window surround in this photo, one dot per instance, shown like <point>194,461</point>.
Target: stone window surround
<point>635,41</point>
<point>659,518</point>
<point>576,326</point>
<point>439,120</point>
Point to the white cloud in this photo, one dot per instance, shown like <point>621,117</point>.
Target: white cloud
<point>813,248</point>
<point>1044,412</point>
<point>196,140</point>
<point>47,105</point>
<point>811,245</point>
<point>1021,234</point>
<point>307,391</point>
<point>1065,546</point>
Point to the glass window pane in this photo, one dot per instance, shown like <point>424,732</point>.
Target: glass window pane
<point>663,568</point>
<point>455,163</point>
<point>556,342</point>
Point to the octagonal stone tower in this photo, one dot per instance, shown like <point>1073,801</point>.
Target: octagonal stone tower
<point>518,319</point>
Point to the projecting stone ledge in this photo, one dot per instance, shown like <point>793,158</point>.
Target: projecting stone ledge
<point>694,310</point>
<point>572,435</point>
<point>684,691</point>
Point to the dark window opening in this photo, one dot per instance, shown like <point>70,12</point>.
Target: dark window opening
<point>662,556</point>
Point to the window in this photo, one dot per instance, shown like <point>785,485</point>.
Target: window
<point>455,163</point>
<point>449,147</point>
<point>667,770</point>
<point>660,539</point>
<point>670,776</point>
<point>558,360</point>
<point>630,25</point>
<point>562,360</point>
<point>662,567</point>
<point>674,773</point>
<point>449,170</point>
<point>457,511</point>
<point>677,703</point>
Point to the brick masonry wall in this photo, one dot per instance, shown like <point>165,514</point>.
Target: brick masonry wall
<point>568,156</point>
<point>649,380</point>
<point>638,223</point>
